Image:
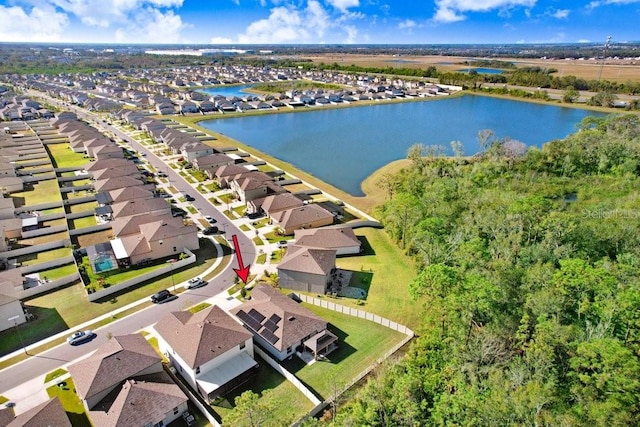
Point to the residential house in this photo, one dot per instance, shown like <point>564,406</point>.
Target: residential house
<point>307,269</point>
<point>7,207</point>
<point>157,239</point>
<point>126,170</point>
<point>11,184</point>
<point>108,151</point>
<point>50,414</point>
<point>6,168</point>
<point>105,164</point>
<point>307,216</point>
<point>209,349</point>
<point>342,240</point>
<point>212,161</point>
<point>135,207</point>
<point>123,384</point>
<point>282,326</point>
<point>11,310</point>
<point>224,174</point>
<point>192,150</point>
<point>109,184</point>
<point>279,202</point>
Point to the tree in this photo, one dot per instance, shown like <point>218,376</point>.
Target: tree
<point>485,137</point>
<point>250,411</point>
<point>457,148</point>
<point>570,95</point>
<point>434,280</point>
<point>603,99</point>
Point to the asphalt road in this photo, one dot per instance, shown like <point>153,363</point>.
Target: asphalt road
<point>46,362</point>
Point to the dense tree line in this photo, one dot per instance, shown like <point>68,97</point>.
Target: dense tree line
<point>529,275</point>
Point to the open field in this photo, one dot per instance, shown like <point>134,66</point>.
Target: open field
<point>586,69</point>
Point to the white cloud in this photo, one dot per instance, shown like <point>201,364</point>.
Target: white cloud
<point>220,40</point>
<point>454,10</point>
<point>287,24</point>
<point>152,26</point>
<point>104,13</point>
<point>406,24</point>
<point>598,3</point>
<point>36,24</point>
<point>560,13</point>
<point>352,33</point>
<point>343,5</point>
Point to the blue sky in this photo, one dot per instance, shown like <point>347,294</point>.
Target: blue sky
<point>237,22</point>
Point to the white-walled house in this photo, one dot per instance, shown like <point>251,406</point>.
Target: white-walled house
<point>209,349</point>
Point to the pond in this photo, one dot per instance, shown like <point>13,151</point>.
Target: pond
<point>343,146</point>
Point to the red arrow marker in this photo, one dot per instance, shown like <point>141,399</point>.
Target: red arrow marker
<point>241,271</point>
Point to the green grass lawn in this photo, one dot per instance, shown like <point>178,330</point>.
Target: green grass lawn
<point>87,221</point>
<point>274,237</point>
<point>198,175</point>
<point>212,187</point>
<point>227,198</point>
<point>258,241</point>
<point>276,256</point>
<point>262,258</point>
<point>62,156</point>
<point>82,207</point>
<point>391,272</point>
<point>58,272</point>
<point>46,191</point>
<point>199,307</point>
<point>360,344</point>
<point>70,402</point>
<point>54,374</point>
<point>44,256</point>
<point>245,227</point>
<point>286,402</point>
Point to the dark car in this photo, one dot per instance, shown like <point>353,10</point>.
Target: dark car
<point>189,198</point>
<point>161,296</point>
<point>81,337</point>
<point>209,231</point>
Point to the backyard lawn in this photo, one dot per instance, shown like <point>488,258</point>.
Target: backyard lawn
<point>44,256</point>
<point>82,207</point>
<point>361,343</point>
<point>390,273</point>
<point>286,404</point>
<point>78,223</point>
<point>62,156</point>
<point>46,191</point>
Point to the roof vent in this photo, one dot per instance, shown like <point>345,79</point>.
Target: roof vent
<point>291,317</point>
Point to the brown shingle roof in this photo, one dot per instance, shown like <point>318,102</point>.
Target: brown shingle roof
<point>49,413</point>
<point>328,238</point>
<point>280,202</point>
<point>119,358</point>
<point>308,260</point>
<point>294,322</point>
<point>145,400</point>
<point>203,336</point>
<point>298,217</point>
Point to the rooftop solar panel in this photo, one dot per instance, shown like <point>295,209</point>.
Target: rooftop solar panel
<point>269,325</point>
<point>269,336</point>
<point>275,318</point>
<point>256,315</point>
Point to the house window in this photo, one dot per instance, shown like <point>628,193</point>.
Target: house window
<point>175,411</point>
<point>198,370</point>
<point>243,345</point>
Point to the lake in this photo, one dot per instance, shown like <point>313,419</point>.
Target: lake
<point>344,146</point>
<point>226,91</point>
<point>482,70</point>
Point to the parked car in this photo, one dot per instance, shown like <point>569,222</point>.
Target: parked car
<point>210,219</point>
<point>81,337</point>
<point>161,296</point>
<point>189,198</point>
<point>196,282</point>
<point>282,244</point>
<point>210,230</point>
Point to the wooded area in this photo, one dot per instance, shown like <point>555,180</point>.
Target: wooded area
<point>529,268</point>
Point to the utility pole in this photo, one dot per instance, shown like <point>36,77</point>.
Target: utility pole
<point>604,56</point>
